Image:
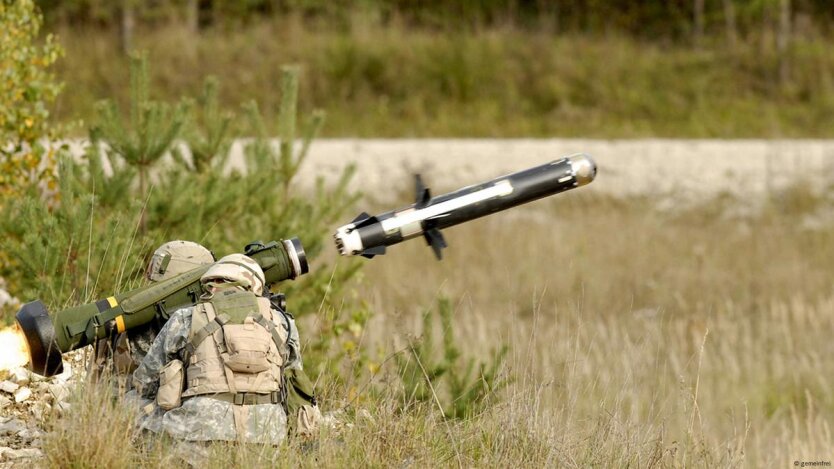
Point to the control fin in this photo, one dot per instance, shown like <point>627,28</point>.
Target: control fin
<point>374,251</point>
<point>434,238</point>
<point>363,219</point>
<point>422,193</point>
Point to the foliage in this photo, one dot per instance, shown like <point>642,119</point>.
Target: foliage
<point>208,137</point>
<point>73,251</point>
<point>90,243</point>
<point>337,348</point>
<point>27,88</point>
<point>466,388</point>
<point>150,131</point>
<point>655,18</point>
<point>96,430</point>
<point>398,81</point>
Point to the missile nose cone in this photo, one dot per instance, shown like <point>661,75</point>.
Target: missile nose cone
<point>584,168</point>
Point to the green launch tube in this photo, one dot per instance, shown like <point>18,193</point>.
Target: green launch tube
<point>48,336</point>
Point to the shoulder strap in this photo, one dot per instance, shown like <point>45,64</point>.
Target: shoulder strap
<point>276,337</point>
<point>214,323</point>
<point>265,320</point>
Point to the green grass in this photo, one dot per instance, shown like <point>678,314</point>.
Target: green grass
<point>639,336</point>
<point>394,81</point>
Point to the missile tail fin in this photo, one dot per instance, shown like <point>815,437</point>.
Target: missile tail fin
<point>375,251</point>
<point>434,238</point>
<point>363,219</point>
<point>422,193</point>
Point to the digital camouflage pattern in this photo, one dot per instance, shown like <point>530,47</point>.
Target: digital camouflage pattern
<point>123,354</point>
<point>202,418</point>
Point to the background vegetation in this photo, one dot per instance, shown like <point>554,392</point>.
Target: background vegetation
<point>698,335</point>
<point>508,68</point>
<point>695,337</point>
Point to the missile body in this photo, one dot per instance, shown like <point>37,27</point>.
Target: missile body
<point>369,235</point>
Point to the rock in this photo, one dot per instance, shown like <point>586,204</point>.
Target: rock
<point>22,394</point>
<point>20,376</point>
<point>4,402</point>
<point>40,410</point>
<point>39,388</point>
<point>9,387</point>
<point>59,391</point>
<point>26,453</point>
<point>12,427</point>
<point>63,407</point>
<point>29,434</point>
<point>65,375</point>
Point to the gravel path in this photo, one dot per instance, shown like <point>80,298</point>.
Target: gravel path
<point>687,168</point>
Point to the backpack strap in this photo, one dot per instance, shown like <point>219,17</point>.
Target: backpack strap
<point>276,337</point>
<point>214,323</point>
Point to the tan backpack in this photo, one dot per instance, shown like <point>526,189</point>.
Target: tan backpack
<point>235,352</point>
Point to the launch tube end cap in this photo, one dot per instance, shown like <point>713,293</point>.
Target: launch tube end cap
<point>584,168</point>
<point>298,258</point>
<point>44,353</point>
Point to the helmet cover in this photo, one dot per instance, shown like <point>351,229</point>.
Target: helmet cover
<point>237,268</point>
<point>176,257</point>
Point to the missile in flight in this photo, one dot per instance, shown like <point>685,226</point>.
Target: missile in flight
<point>369,236</point>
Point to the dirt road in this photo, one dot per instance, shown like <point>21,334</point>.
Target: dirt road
<point>685,168</point>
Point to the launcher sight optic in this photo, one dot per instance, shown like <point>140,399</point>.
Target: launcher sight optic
<point>48,336</point>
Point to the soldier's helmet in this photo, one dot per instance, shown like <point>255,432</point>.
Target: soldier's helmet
<point>176,257</point>
<point>238,269</point>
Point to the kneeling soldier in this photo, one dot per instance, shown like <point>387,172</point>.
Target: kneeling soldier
<point>217,368</point>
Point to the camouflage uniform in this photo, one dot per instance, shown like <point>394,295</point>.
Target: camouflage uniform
<point>126,351</point>
<point>202,418</point>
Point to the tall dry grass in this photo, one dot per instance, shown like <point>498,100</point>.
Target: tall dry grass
<point>642,334</point>
<point>647,331</point>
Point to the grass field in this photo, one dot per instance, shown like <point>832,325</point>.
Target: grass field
<point>692,337</point>
<point>639,336</point>
<point>395,81</point>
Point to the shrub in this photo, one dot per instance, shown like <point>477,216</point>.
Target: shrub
<point>27,87</point>
<point>453,383</point>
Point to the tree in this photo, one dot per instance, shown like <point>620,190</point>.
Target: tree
<point>783,40</point>
<point>27,88</point>
<point>730,23</point>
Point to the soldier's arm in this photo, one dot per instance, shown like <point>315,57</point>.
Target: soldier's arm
<point>294,345</point>
<point>303,415</point>
<point>166,347</point>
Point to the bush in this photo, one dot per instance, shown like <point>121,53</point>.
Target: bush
<point>95,240</point>
<point>27,87</point>
<point>458,386</point>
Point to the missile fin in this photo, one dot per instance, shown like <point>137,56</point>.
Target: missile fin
<point>434,238</point>
<point>374,251</point>
<point>363,219</point>
<point>422,193</point>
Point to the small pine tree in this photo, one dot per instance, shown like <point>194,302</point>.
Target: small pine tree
<point>208,135</point>
<point>89,244</point>
<point>149,132</point>
<point>462,387</point>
